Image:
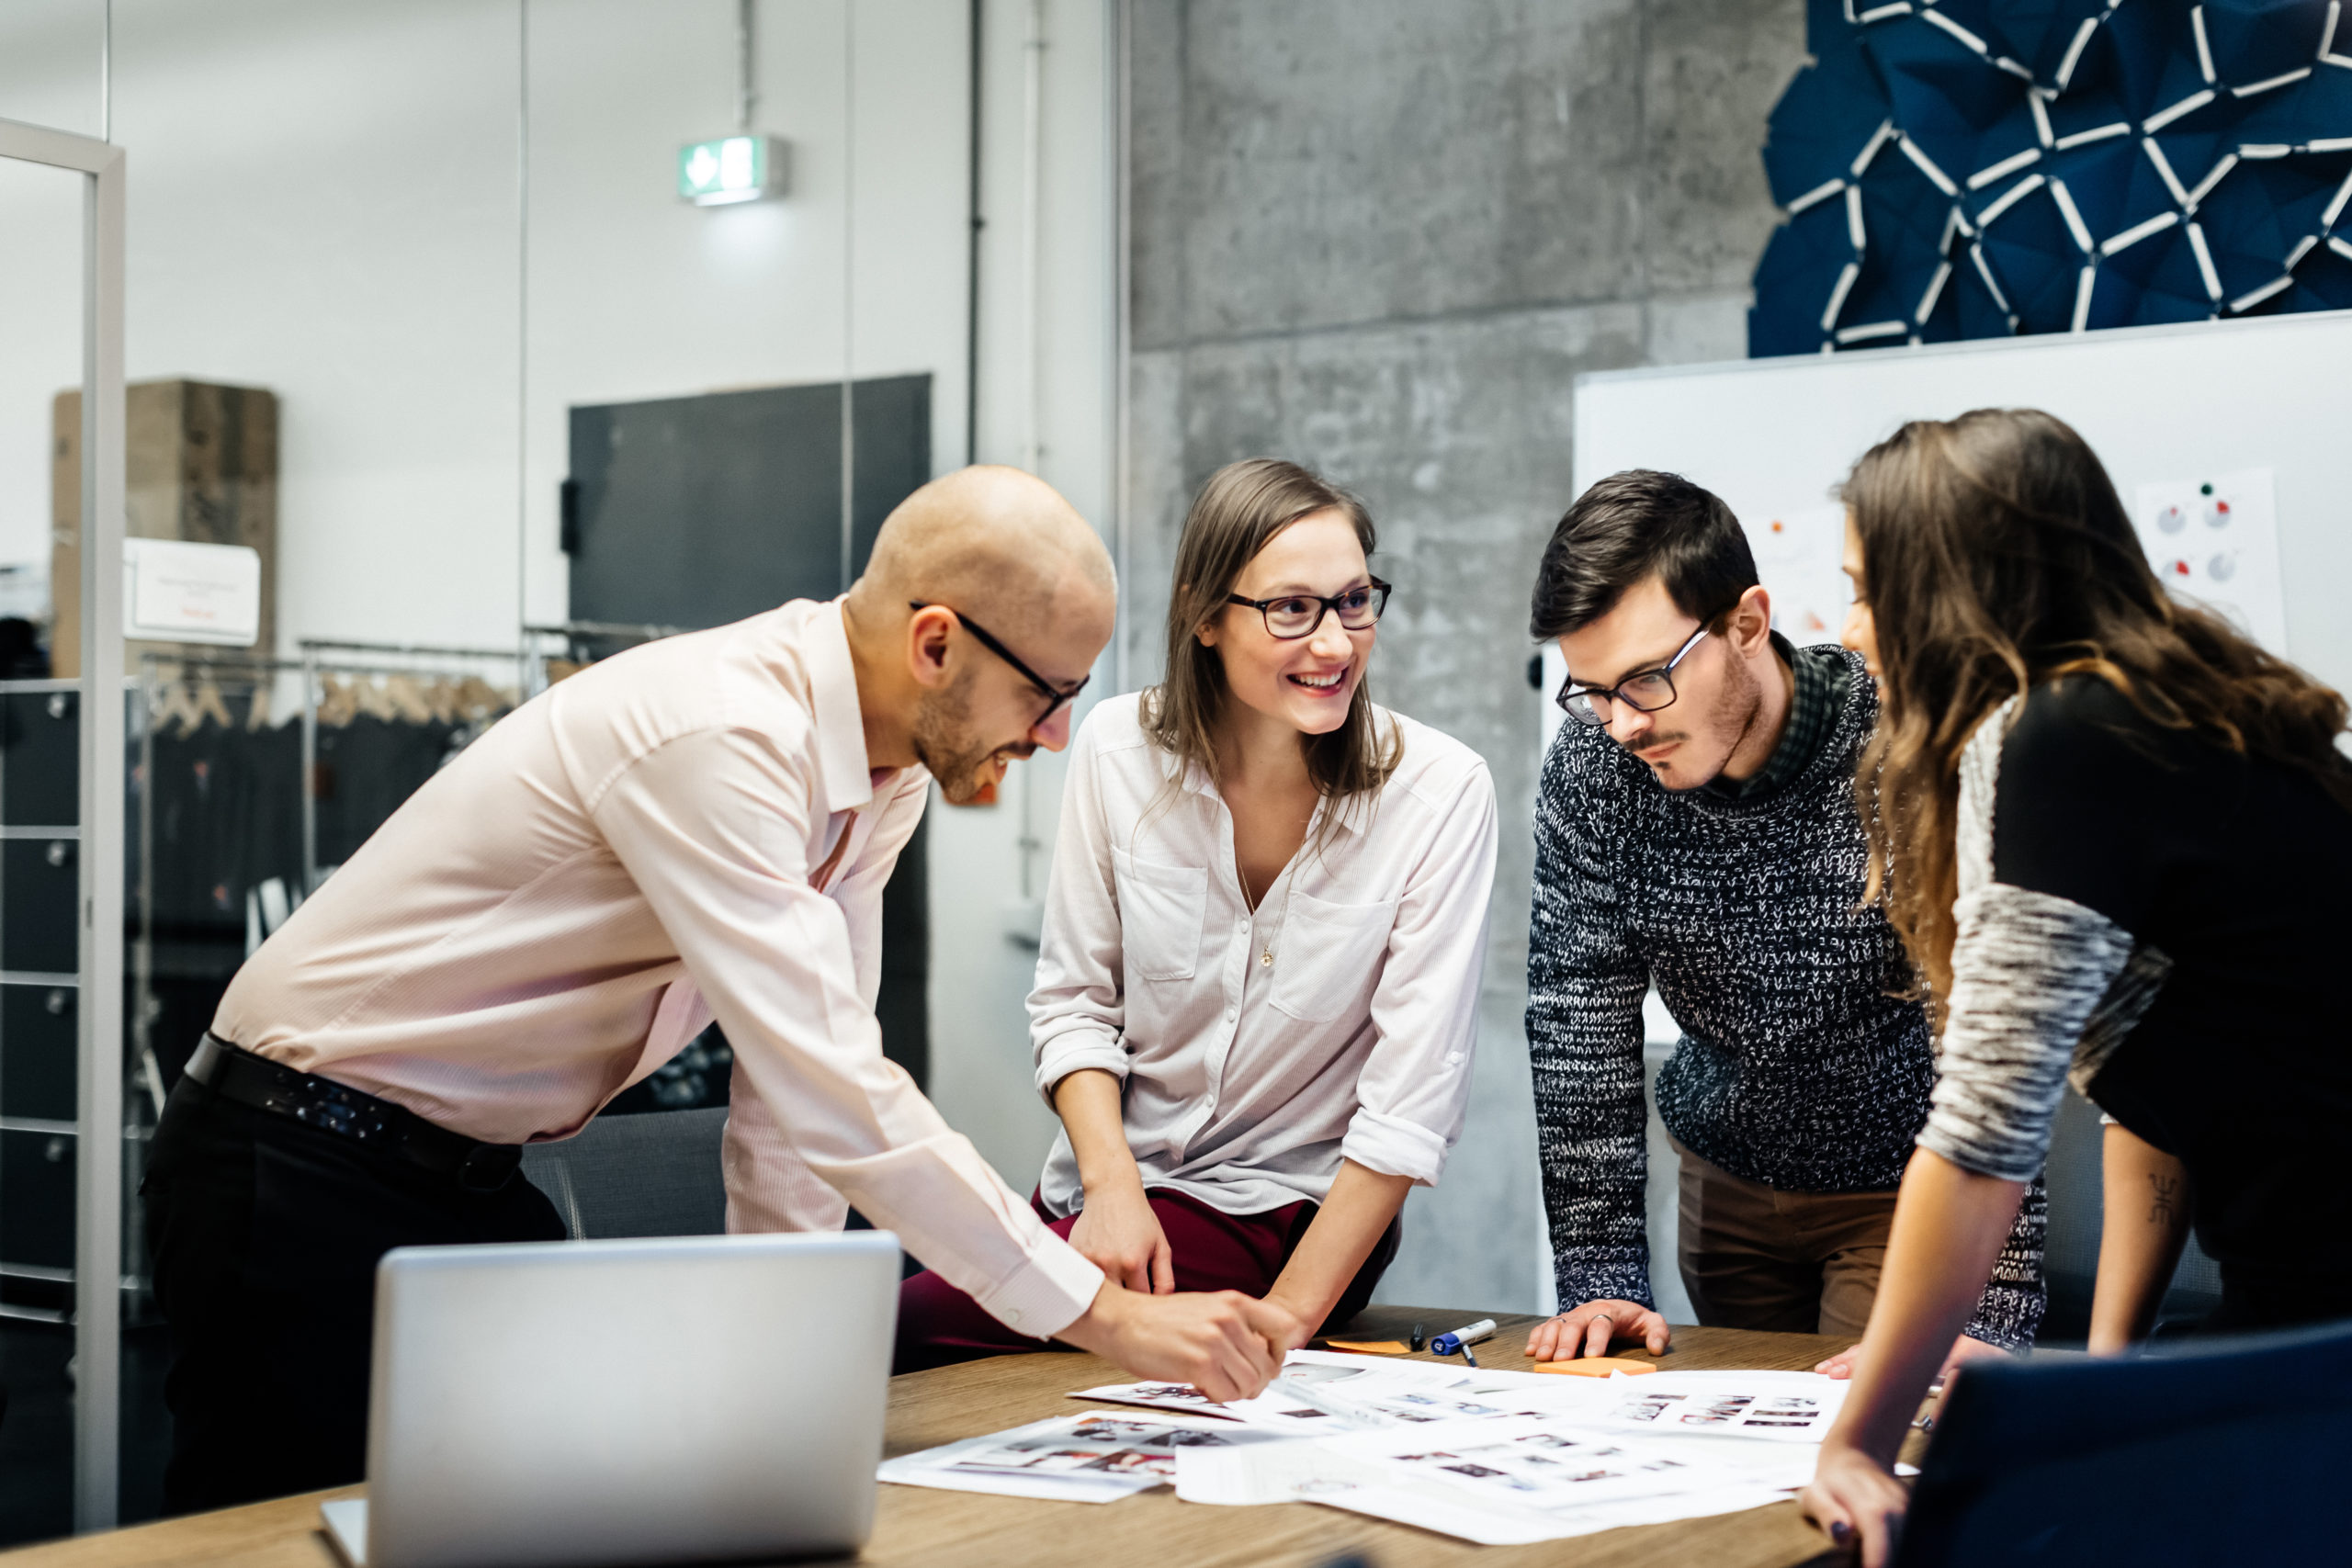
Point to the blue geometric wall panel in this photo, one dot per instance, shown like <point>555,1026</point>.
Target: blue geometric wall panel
<point>1986,168</point>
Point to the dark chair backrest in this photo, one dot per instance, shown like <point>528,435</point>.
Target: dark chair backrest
<point>656,1174</point>
<point>2227,1450</point>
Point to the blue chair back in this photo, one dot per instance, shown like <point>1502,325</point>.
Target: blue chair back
<point>2223,1451</point>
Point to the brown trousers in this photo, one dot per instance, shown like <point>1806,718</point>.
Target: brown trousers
<point>1754,1257</point>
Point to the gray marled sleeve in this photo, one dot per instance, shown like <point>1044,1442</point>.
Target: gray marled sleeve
<point>2028,970</point>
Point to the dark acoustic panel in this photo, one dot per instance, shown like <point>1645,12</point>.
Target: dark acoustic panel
<point>696,511</point>
<point>1992,168</point>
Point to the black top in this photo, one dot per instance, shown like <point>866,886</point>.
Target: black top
<point>2239,871</point>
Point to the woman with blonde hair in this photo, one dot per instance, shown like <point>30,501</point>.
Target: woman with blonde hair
<point>2114,835</point>
<point>1256,990</point>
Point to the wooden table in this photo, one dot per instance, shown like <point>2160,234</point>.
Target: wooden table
<point>918,1525</point>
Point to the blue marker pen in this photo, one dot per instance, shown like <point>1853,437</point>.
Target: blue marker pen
<point>1462,1338</point>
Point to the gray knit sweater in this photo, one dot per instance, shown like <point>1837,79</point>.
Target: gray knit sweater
<point>1797,1067</point>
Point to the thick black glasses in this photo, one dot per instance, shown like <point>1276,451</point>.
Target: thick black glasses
<point>1056,695</point>
<point>1295,615</point>
<point>1645,692</point>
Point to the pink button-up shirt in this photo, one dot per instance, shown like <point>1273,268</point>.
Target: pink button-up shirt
<point>687,828</point>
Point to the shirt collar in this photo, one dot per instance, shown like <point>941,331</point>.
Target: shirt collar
<point>832,701</point>
<point>1818,680</point>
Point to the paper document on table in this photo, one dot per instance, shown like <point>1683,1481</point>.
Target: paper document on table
<point>1781,1407</point>
<point>1271,1410</point>
<point>1494,1481</point>
<point>1319,1391</point>
<point>1093,1458</point>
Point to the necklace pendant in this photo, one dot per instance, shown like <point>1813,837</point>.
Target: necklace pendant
<point>1266,959</point>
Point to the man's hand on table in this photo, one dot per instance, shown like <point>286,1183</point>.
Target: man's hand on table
<point>1964,1350</point>
<point>1588,1329</point>
<point>1222,1343</point>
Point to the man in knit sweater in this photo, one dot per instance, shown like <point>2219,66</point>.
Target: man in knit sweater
<point>1695,829</point>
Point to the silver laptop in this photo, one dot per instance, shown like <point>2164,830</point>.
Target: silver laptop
<point>604,1402</point>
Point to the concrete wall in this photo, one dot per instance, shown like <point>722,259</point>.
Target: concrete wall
<point>1382,237</point>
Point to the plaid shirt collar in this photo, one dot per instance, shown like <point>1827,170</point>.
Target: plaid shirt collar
<point>1819,686</point>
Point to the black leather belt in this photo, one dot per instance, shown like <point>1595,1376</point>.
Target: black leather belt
<point>236,1073</point>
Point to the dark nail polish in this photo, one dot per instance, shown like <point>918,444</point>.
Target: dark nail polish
<point>1840,1530</point>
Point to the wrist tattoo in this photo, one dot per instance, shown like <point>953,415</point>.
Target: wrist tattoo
<point>2164,1190</point>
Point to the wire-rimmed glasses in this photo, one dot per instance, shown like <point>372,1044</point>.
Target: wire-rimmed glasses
<point>1644,691</point>
<point>1291,616</point>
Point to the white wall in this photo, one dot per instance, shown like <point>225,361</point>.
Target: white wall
<point>326,200</point>
<point>48,76</point>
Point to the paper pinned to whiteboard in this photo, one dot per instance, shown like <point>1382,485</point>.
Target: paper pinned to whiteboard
<point>2215,539</point>
<point>1800,557</point>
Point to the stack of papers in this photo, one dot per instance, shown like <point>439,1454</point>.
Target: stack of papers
<point>1494,1457</point>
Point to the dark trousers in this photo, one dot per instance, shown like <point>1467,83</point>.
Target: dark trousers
<point>264,1234</point>
<point>1210,1251</point>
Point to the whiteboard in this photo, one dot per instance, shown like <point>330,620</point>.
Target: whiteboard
<point>2158,405</point>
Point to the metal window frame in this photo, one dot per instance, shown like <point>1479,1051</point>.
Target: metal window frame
<point>98,1154</point>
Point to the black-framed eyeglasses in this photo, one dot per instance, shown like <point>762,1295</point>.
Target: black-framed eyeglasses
<point>1645,691</point>
<point>1056,695</point>
<point>1295,615</point>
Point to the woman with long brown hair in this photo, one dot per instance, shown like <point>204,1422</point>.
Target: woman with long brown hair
<point>2115,836</point>
<point>1257,990</point>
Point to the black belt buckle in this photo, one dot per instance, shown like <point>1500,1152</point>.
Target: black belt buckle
<point>489,1167</point>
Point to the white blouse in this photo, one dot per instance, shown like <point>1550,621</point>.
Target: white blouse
<point>1258,1050</point>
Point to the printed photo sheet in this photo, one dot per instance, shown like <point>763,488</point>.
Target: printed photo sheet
<point>1094,1458</point>
<point>1494,1483</point>
<point>1322,1391</point>
<point>1782,1407</point>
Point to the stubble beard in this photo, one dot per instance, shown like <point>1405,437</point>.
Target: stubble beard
<point>945,743</point>
<point>1734,715</point>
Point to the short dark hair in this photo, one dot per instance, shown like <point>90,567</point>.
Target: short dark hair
<point>1628,526</point>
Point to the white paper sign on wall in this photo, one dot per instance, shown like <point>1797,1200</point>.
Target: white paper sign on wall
<point>2215,539</point>
<point>177,592</point>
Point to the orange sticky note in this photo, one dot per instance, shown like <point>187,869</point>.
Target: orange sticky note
<point>1598,1367</point>
<point>1369,1346</point>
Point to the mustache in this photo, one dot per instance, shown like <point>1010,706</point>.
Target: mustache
<point>1651,742</point>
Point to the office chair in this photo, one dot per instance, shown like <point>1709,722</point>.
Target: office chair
<point>2223,1451</point>
<point>656,1174</point>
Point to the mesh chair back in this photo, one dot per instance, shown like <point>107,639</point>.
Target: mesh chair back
<point>2232,1451</point>
<point>656,1174</point>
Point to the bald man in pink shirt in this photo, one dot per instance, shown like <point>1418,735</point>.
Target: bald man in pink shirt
<point>698,828</point>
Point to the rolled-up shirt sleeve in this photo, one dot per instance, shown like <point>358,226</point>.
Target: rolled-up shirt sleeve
<point>1077,1010</point>
<point>1414,1090</point>
<point>712,827</point>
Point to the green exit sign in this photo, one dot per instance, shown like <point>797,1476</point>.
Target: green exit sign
<point>733,168</point>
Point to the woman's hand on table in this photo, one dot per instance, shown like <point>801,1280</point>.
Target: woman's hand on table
<point>1856,1499</point>
<point>1297,1323</point>
<point>1587,1330</point>
<point>1118,1232</point>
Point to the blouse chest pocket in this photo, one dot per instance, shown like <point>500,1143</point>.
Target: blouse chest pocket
<point>1327,950</point>
<point>1162,912</point>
